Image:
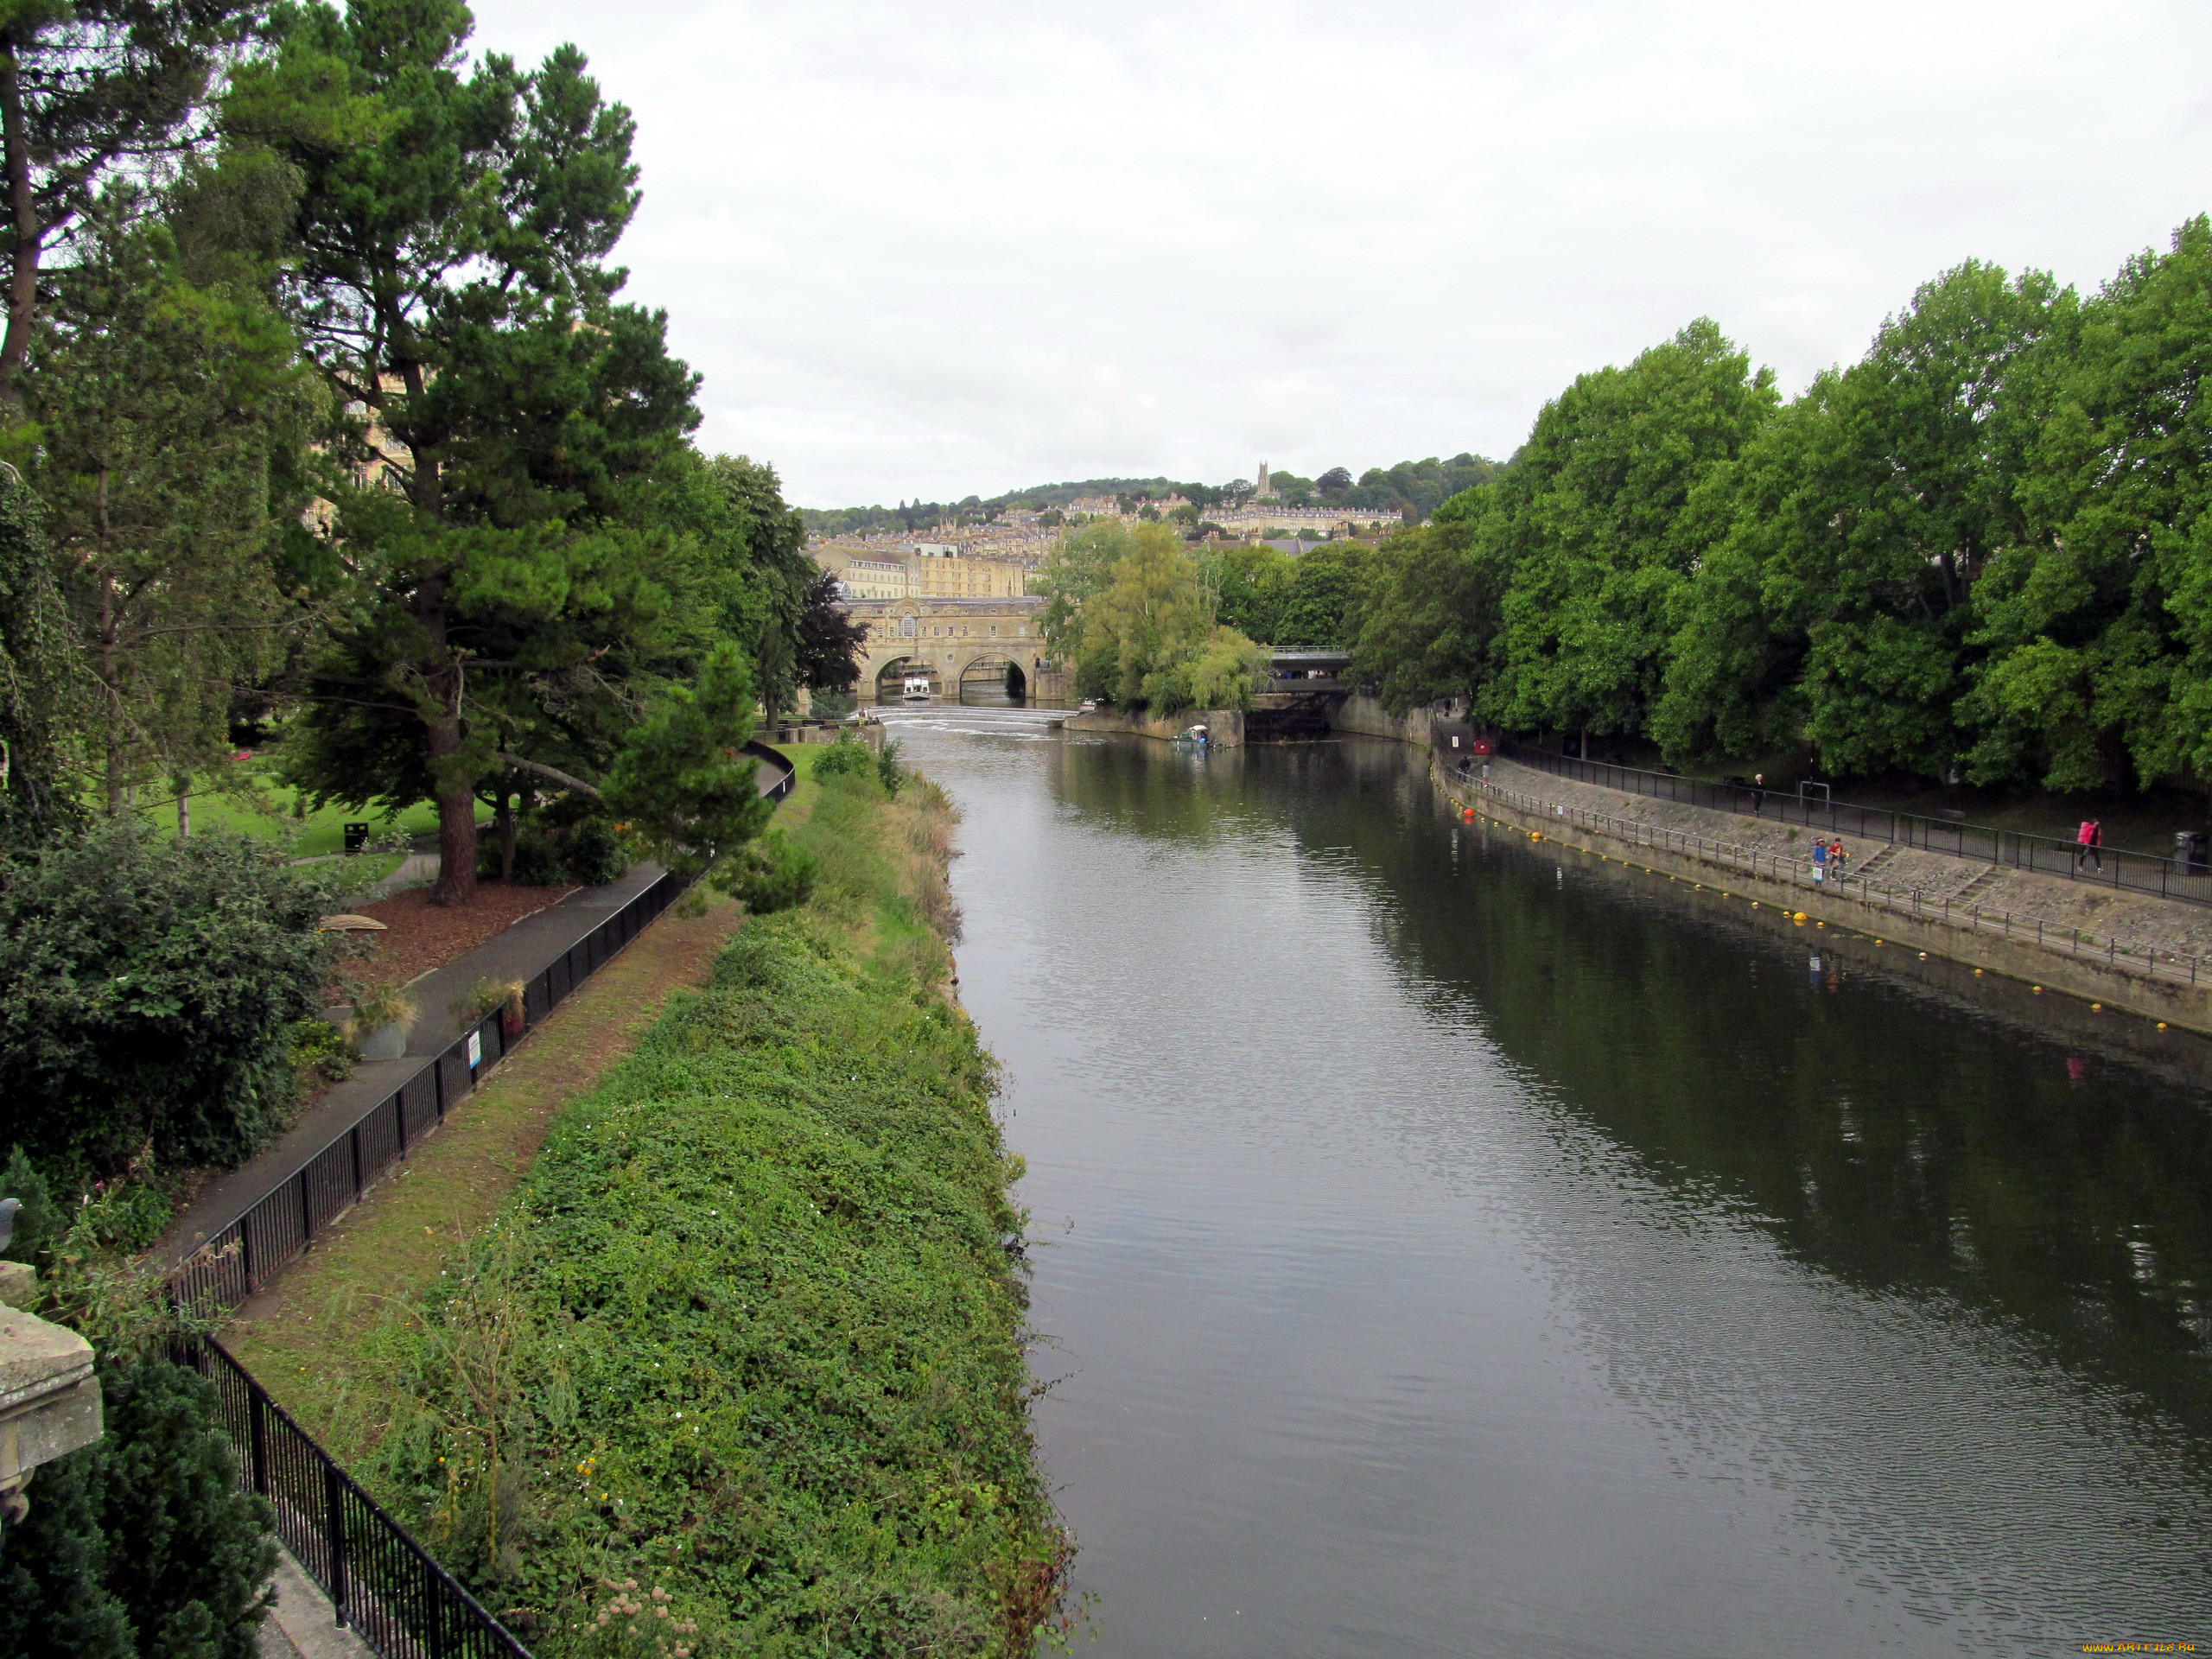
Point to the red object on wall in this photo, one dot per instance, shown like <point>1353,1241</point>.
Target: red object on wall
<point>1482,745</point>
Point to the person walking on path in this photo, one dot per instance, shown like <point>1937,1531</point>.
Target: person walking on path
<point>1837,858</point>
<point>1819,861</point>
<point>2090,837</point>
<point>1758,793</point>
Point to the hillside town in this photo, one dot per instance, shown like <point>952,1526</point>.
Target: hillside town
<point>999,557</point>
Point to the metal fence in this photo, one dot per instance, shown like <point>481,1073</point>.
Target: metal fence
<point>1794,870</point>
<point>2109,866</point>
<point>241,1257</point>
<point>381,1582</point>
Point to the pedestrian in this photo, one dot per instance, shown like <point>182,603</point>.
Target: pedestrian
<point>1819,861</point>
<point>2088,839</point>
<point>1758,793</point>
<point>1837,858</point>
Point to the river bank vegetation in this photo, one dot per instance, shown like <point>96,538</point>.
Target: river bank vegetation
<point>333,466</point>
<point>747,1344</point>
<point>1979,553</point>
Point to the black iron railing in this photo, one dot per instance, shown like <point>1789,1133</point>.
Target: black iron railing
<point>380,1581</point>
<point>241,1257</point>
<point>1954,909</point>
<point>2167,878</point>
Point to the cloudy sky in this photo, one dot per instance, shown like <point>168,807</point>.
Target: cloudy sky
<point>923,251</point>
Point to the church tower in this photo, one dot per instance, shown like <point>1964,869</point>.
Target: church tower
<point>1265,489</point>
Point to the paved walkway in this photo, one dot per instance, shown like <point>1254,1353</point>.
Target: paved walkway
<point>2140,922</point>
<point>521,952</point>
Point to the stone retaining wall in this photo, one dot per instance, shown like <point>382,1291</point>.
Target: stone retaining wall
<point>1224,726</point>
<point>2140,921</point>
<point>2084,974</point>
<point>1366,717</point>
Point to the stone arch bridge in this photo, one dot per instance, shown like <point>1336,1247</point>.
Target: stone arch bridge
<point>955,642</point>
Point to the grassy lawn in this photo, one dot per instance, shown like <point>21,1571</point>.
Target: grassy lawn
<point>311,833</point>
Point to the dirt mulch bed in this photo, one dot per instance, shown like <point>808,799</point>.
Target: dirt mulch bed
<point>421,936</point>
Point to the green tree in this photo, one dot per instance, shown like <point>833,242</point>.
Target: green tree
<point>1250,578</point>
<point>41,680</point>
<point>87,89</point>
<point>1320,598</point>
<point>174,419</point>
<point>1868,515</point>
<point>450,277</point>
<point>1077,569</point>
<point>1431,616</point>
<point>1590,518</point>
<point>2097,621</point>
<point>685,785</point>
<point>1137,620</point>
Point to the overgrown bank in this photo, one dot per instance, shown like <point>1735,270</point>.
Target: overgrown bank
<point>740,1368</point>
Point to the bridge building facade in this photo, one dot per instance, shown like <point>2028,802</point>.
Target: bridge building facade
<point>956,642</point>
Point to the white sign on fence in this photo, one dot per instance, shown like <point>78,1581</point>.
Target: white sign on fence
<point>476,1049</point>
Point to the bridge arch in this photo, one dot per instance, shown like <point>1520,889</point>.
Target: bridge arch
<point>990,677</point>
<point>888,682</point>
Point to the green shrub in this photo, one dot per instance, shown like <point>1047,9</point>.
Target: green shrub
<point>148,992</point>
<point>888,772</point>
<point>770,875</point>
<point>319,1051</point>
<point>747,1343</point>
<point>553,849</point>
<point>847,757</point>
<point>38,1224</point>
<point>139,1546</point>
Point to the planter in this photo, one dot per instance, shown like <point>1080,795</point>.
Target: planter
<point>386,1043</point>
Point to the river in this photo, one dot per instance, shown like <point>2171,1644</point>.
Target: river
<point>1446,1244</point>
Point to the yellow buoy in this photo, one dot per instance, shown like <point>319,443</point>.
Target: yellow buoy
<point>1977,973</point>
<point>2096,1007</point>
<point>2162,1025</point>
<point>2037,989</point>
<point>1799,917</point>
<point>1878,941</point>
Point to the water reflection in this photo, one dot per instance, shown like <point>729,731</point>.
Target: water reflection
<point>1459,1245</point>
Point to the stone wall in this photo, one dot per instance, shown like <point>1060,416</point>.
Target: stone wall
<point>1962,936</point>
<point>1224,726</point>
<point>1367,717</point>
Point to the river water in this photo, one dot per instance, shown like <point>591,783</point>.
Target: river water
<point>1446,1244</point>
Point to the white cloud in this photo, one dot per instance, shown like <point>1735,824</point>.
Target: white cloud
<point>926,250</point>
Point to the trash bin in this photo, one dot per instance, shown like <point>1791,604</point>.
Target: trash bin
<point>2189,849</point>
<point>357,837</point>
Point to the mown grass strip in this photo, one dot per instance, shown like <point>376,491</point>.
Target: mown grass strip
<point>739,1370</point>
